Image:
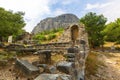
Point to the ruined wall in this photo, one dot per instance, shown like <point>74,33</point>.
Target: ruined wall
<point>81,35</point>
<point>77,36</point>
<point>74,44</point>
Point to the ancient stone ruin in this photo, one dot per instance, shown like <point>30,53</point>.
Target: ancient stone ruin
<point>73,44</point>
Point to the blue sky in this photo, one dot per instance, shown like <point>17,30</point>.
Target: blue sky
<point>36,10</point>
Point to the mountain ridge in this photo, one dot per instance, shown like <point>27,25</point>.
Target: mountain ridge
<point>63,20</point>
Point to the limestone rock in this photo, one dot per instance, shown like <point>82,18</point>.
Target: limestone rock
<point>60,21</point>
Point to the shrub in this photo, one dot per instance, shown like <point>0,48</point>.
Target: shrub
<point>51,36</point>
<point>40,37</point>
<point>48,34</point>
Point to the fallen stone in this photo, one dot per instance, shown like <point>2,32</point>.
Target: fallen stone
<point>53,70</point>
<point>72,50</point>
<point>53,77</point>
<point>70,59</point>
<point>65,67</point>
<point>43,66</point>
<point>27,68</point>
<point>69,55</point>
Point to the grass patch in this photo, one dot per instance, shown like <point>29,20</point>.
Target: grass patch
<point>48,35</point>
<point>57,58</point>
<point>51,36</point>
<point>92,64</point>
<point>6,55</point>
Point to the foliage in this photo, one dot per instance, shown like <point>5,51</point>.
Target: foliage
<point>94,25</point>
<point>112,31</point>
<point>40,37</point>
<point>10,23</point>
<point>51,36</point>
<point>48,34</point>
<point>4,55</point>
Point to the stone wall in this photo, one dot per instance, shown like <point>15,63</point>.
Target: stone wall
<point>79,41</point>
<point>82,35</point>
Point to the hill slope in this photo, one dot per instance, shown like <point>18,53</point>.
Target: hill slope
<point>63,20</point>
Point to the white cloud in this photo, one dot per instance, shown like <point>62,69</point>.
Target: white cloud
<point>58,12</point>
<point>110,9</point>
<point>90,6</point>
<point>97,5</point>
<point>112,12</point>
<point>33,9</point>
<point>67,2</point>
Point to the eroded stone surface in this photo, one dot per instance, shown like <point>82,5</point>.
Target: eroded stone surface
<point>66,67</point>
<point>27,68</point>
<point>53,77</point>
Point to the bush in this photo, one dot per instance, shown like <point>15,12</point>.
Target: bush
<point>40,37</point>
<point>51,36</point>
<point>48,34</point>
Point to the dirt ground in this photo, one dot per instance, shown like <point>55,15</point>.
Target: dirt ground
<point>111,68</point>
<point>8,72</point>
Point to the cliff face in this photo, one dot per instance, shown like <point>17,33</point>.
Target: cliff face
<point>60,21</point>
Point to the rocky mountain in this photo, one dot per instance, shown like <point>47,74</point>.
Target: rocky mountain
<point>63,20</point>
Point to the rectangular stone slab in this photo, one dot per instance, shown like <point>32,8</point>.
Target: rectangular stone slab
<point>26,67</point>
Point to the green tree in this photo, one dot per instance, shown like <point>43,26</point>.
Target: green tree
<point>112,31</point>
<point>10,23</point>
<point>94,25</point>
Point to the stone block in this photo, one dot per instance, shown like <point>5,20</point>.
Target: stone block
<point>69,55</point>
<point>65,67</point>
<point>26,68</point>
<point>53,69</point>
<point>70,59</point>
<point>53,77</point>
<point>43,66</point>
<point>72,50</point>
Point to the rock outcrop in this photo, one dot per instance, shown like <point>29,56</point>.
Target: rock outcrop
<point>60,21</point>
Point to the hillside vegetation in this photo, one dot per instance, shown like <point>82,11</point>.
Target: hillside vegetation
<point>48,35</point>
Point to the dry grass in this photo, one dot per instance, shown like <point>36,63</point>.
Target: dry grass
<point>108,55</point>
<point>109,44</point>
<point>57,58</point>
<point>92,64</point>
